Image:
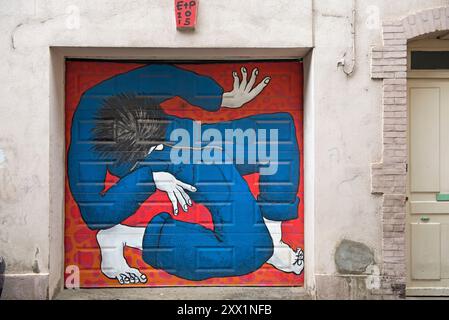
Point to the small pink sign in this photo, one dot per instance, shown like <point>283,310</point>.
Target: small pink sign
<point>186,14</point>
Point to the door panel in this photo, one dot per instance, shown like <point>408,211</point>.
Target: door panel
<point>425,153</point>
<point>120,221</point>
<point>429,207</point>
<point>425,248</point>
<point>428,192</point>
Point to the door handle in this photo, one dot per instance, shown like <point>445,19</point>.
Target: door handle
<point>425,219</point>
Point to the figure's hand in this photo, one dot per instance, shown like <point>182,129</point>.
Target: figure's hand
<point>175,190</point>
<point>244,91</point>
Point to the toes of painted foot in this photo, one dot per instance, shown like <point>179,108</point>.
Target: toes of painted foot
<point>125,279</point>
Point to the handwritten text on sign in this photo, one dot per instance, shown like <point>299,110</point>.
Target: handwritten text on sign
<point>186,13</point>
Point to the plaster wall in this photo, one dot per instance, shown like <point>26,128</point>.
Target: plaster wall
<point>343,115</point>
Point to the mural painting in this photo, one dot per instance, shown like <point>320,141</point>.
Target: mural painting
<point>184,174</point>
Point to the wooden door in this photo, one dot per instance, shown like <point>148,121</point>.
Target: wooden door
<point>428,187</point>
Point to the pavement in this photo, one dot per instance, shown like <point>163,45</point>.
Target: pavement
<point>185,293</point>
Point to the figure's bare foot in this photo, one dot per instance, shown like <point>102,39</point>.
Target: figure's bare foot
<point>124,274</point>
<point>113,262</point>
<point>286,259</point>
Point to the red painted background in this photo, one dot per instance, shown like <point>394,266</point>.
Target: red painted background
<point>283,94</point>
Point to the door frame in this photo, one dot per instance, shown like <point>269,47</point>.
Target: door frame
<point>416,291</point>
<point>417,75</point>
<point>389,173</point>
<point>58,55</point>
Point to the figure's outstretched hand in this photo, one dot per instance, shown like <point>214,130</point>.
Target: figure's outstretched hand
<point>175,190</point>
<point>244,91</point>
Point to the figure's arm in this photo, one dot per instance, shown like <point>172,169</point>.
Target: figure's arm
<point>163,82</point>
<point>104,210</point>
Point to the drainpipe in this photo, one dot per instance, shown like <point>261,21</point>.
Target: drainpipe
<point>342,62</point>
<point>2,274</point>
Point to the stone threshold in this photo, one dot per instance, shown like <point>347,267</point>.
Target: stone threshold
<point>186,293</point>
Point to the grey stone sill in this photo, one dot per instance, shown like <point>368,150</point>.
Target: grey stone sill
<point>186,293</point>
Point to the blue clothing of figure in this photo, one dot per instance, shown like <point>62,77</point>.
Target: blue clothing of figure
<point>239,242</point>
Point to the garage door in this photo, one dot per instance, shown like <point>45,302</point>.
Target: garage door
<point>184,174</point>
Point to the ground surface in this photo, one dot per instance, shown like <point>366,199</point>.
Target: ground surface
<point>203,293</point>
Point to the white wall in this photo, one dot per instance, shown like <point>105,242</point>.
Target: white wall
<point>31,113</point>
<point>343,113</point>
<point>348,129</point>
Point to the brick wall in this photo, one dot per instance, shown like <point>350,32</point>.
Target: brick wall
<point>389,177</point>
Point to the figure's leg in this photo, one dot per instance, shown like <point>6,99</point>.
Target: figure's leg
<point>112,243</point>
<point>278,186</point>
<point>239,243</point>
<point>278,199</point>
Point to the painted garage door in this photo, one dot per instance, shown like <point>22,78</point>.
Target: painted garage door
<point>184,174</point>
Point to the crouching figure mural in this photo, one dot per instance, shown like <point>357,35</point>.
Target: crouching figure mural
<point>128,135</point>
